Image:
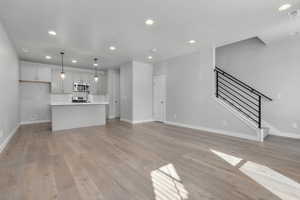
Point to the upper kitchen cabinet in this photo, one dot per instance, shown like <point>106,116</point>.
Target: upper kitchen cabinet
<point>76,76</point>
<point>44,74</point>
<point>68,82</point>
<point>102,85</point>
<point>85,77</point>
<point>56,82</point>
<point>66,86</point>
<point>35,73</point>
<point>93,84</point>
<point>63,86</point>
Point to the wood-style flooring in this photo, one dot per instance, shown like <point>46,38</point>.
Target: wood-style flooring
<point>148,161</point>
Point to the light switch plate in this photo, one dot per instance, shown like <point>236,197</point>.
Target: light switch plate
<point>279,96</point>
<point>295,125</point>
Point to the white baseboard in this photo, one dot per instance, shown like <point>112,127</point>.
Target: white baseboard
<point>35,122</point>
<point>287,135</point>
<point>8,138</point>
<point>137,121</point>
<point>113,117</point>
<point>126,120</point>
<point>142,121</point>
<point>276,132</point>
<point>272,130</point>
<point>218,131</point>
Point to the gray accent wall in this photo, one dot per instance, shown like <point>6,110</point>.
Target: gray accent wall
<point>9,81</point>
<point>274,69</point>
<point>190,95</point>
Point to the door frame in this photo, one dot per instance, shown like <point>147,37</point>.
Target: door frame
<point>164,77</point>
<point>117,89</point>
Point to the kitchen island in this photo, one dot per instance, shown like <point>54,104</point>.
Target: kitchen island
<point>77,115</point>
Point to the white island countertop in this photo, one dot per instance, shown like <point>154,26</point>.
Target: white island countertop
<point>77,104</point>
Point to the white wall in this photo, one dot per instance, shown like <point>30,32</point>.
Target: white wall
<point>126,77</point>
<point>190,95</point>
<point>142,91</point>
<point>160,68</point>
<point>9,81</point>
<point>274,70</point>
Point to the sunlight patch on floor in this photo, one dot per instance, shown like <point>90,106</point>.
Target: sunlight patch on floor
<point>167,184</point>
<point>228,158</point>
<point>280,185</point>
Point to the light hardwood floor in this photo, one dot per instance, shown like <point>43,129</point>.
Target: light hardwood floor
<point>144,162</point>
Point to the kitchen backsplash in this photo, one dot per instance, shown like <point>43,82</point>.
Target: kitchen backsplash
<point>68,98</point>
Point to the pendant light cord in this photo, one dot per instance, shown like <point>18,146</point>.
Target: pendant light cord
<point>96,72</point>
<point>62,61</point>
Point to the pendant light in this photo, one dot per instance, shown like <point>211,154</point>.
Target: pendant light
<point>62,73</point>
<point>96,77</point>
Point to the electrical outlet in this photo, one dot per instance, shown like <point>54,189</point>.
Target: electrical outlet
<point>224,123</point>
<point>34,117</point>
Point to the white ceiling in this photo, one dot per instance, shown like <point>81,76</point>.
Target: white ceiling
<point>86,28</point>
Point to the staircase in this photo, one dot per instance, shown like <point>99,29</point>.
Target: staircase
<point>242,98</point>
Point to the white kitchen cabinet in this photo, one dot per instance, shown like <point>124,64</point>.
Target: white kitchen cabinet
<point>66,86</point>
<point>34,72</point>
<point>44,74</point>
<point>102,85</point>
<point>68,82</point>
<point>76,76</point>
<point>56,82</point>
<point>29,73</point>
<point>93,84</point>
<point>85,76</point>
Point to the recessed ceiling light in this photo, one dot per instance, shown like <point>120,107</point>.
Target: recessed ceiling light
<point>52,32</point>
<point>95,64</point>
<point>112,48</point>
<point>192,41</point>
<point>149,22</point>
<point>284,7</point>
<point>48,57</point>
<point>150,57</point>
<point>154,50</point>
<point>74,61</point>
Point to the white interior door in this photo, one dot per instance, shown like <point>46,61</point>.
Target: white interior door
<point>159,98</point>
<point>117,94</point>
